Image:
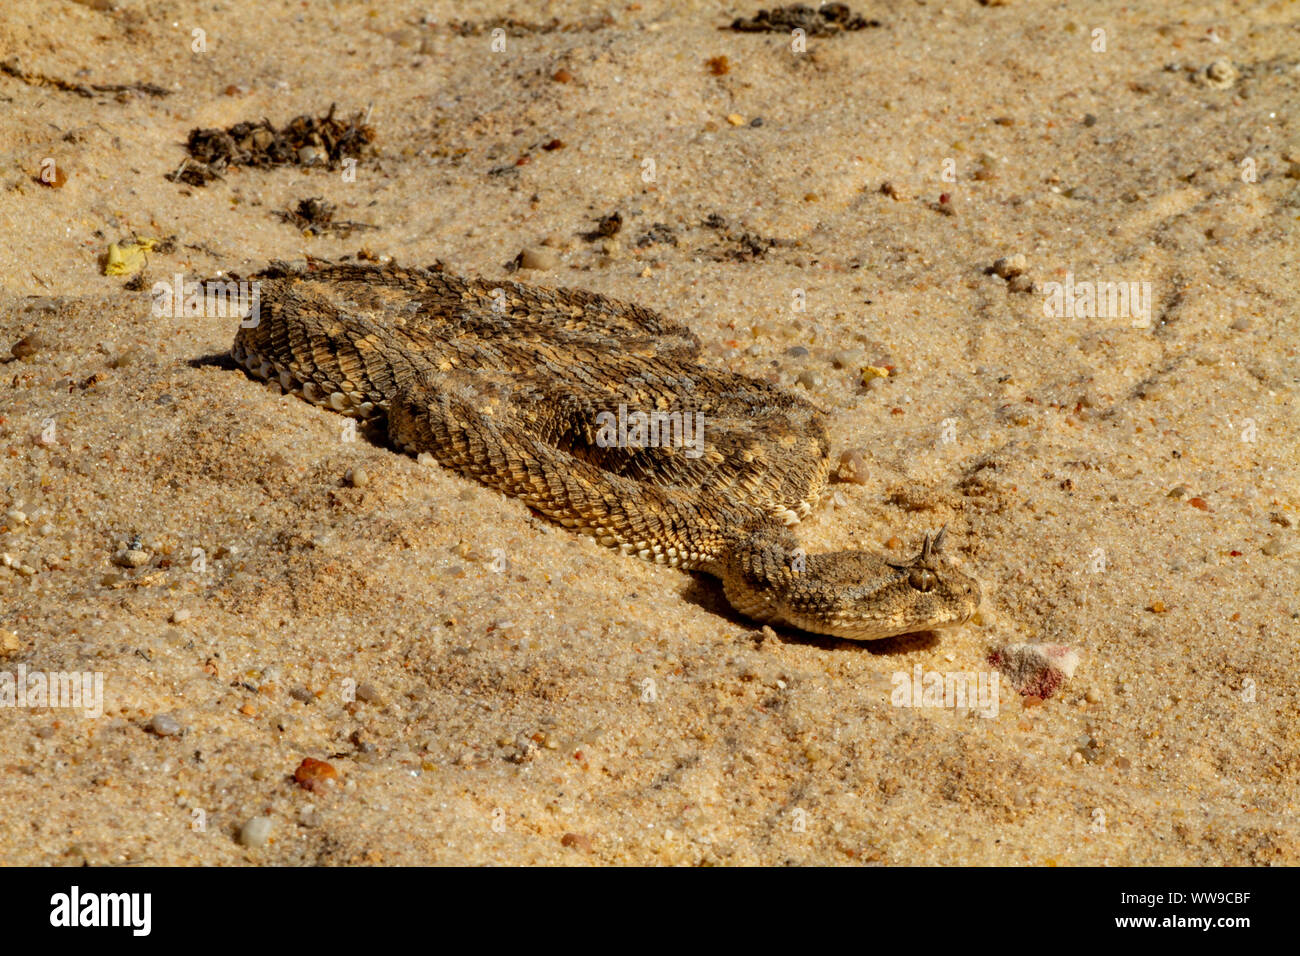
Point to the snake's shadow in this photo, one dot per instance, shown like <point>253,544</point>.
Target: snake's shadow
<point>222,360</point>
<point>703,591</point>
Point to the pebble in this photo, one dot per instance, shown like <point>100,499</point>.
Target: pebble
<point>302,694</point>
<point>165,725</point>
<point>1240,324</point>
<point>853,467</point>
<point>797,351</point>
<point>1011,266</point>
<point>1036,670</point>
<point>1021,283</point>
<point>131,558</point>
<point>810,379</point>
<point>577,841</point>
<point>846,358</point>
<point>16,518</point>
<point>256,831</point>
<point>27,346</point>
<point>538,258</point>
<point>181,615</point>
<point>1220,74</point>
<point>315,775</point>
<point>1275,547</point>
<point>895,191</point>
<point>357,477</point>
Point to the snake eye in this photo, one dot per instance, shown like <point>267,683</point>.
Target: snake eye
<point>921,579</point>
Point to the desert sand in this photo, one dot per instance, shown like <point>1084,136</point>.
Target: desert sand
<point>257,587</point>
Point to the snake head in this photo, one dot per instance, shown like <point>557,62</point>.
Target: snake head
<point>860,596</point>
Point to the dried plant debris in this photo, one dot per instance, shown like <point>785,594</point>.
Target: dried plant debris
<point>513,27</point>
<point>11,67</point>
<point>660,234</point>
<point>606,226</point>
<point>305,141</point>
<point>315,217</point>
<point>130,256</point>
<point>740,245</point>
<point>825,21</point>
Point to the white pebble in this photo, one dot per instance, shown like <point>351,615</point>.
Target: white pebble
<point>255,832</point>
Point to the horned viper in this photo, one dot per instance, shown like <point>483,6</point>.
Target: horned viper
<point>520,387</point>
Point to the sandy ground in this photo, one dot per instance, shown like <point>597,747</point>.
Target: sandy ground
<point>488,688</point>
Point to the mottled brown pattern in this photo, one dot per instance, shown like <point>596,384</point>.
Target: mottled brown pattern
<point>504,382</point>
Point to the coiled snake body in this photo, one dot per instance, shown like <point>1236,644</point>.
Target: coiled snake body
<point>519,386</point>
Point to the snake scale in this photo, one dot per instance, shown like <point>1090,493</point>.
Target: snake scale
<point>517,387</point>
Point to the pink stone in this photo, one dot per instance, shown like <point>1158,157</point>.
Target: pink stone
<point>1036,670</point>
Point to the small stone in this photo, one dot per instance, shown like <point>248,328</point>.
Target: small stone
<point>16,518</point>
<point>853,467</point>
<point>1220,74</point>
<point>538,258</point>
<point>131,558</point>
<point>27,346</point>
<point>255,832</point>
<point>302,694</point>
<point>735,119</point>
<point>1178,491</point>
<point>165,725</point>
<point>1241,324</point>
<point>1021,283</point>
<point>895,191</point>
<point>308,155</point>
<point>1275,547</point>
<point>1036,670</point>
<point>797,351</point>
<point>810,379</point>
<point>369,694</point>
<point>576,841</point>
<point>357,476</point>
<point>847,358</point>
<point>181,615</point>
<point>315,775</point>
<point>1010,266</point>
